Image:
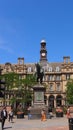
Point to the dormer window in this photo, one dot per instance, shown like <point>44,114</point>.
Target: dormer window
<point>50,69</point>
<point>57,69</point>
<point>67,76</point>
<point>29,69</point>
<point>35,69</point>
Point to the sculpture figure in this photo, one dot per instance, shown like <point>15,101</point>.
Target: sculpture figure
<point>39,73</point>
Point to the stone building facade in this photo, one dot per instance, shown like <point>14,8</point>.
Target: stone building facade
<point>55,77</point>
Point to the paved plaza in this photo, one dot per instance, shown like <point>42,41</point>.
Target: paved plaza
<point>50,124</point>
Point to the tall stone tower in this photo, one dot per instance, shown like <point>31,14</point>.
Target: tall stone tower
<point>43,51</point>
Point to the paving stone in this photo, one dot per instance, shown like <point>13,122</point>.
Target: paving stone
<point>50,124</point>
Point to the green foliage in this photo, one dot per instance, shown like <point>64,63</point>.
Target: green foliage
<point>30,80</point>
<point>69,91</point>
<point>11,80</point>
<point>13,100</point>
<point>23,86</point>
<point>65,109</point>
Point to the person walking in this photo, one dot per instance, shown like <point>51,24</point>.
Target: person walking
<point>3,116</point>
<point>43,115</point>
<point>11,115</point>
<point>29,114</point>
<point>68,112</point>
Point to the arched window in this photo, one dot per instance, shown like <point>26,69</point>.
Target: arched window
<point>29,69</point>
<point>58,100</point>
<point>57,69</point>
<point>50,69</point>
<point>51,101</point>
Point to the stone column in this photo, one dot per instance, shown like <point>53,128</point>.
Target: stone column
<point>32,103</point>
<point>47,101</point>
<point>55,102</point>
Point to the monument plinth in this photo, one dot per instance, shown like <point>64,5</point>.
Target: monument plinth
<point>38,94</point>
<point>39,91</point>
<point>38,101</point>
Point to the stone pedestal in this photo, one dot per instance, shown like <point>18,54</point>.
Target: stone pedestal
<point>39,91</point>
<point>38,101</point>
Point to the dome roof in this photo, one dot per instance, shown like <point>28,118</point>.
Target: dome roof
<point>43,41</point>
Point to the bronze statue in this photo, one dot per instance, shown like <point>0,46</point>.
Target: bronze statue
<point>39,73</point>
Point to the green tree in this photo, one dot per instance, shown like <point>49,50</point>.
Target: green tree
<point>21,88</point>
<point>11,83</point>
<point>28,82</point>
<point>11,80</point>
<point>69,91</point>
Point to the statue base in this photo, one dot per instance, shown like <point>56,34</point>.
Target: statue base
<point>39,103</point>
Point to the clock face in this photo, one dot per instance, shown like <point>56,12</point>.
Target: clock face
<point>43,54</point>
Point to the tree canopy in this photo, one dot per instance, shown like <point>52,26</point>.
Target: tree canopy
<point>23,86</point>
<point>69,91</point>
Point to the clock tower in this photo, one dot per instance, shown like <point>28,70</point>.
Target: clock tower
<point>43,51</point>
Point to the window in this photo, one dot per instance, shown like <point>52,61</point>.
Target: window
<point>50,77</point>
<point>50,69</point>
<point>58,87</point>
<point>51,87</point>
<point>57,69</point>
<point>67,76</point>
<point>35,69</point>
<point>29,69</point>
<point>58,77</point>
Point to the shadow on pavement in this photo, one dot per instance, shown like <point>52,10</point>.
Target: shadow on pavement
<point>7,127</point>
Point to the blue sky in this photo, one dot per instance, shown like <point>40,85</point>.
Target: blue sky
<point>24,23</point>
